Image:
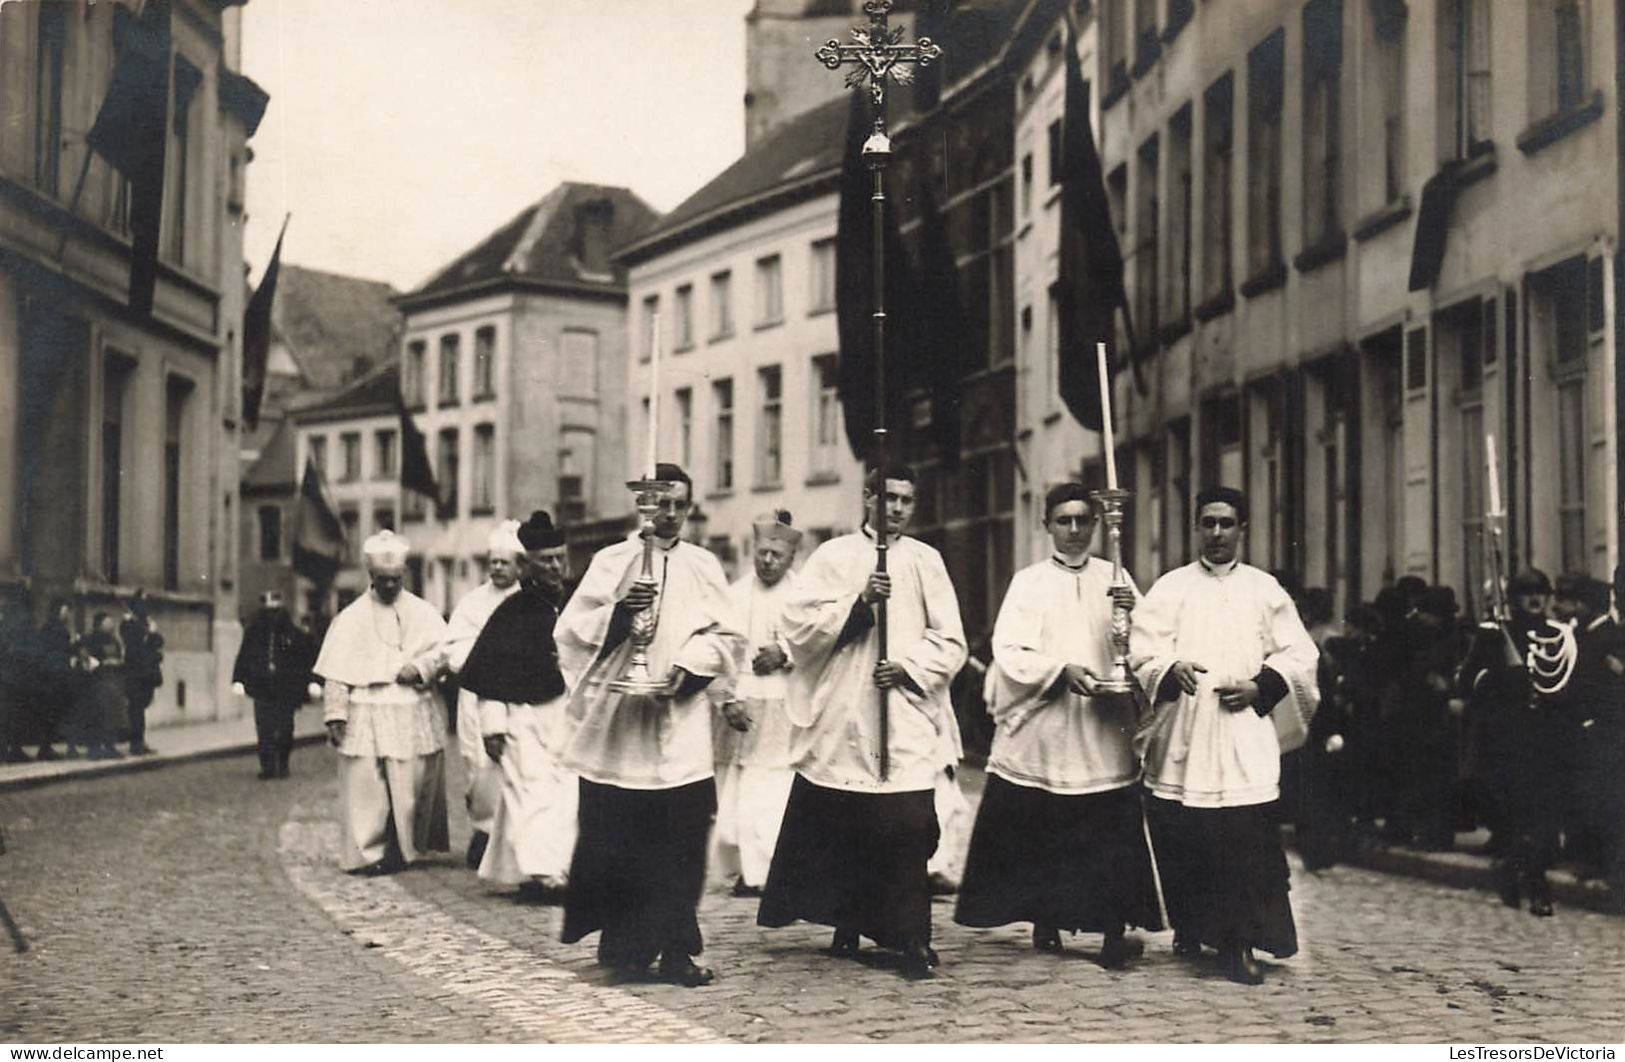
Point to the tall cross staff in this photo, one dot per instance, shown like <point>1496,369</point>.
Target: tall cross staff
<point>875,56</point>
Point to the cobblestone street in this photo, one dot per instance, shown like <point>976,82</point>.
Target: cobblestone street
<point>194,903</point>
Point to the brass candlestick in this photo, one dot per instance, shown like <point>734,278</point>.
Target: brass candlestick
<point>637,680</point>
<point>1121,677</point>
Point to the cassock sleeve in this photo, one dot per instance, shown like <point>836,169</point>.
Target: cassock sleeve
<point>934,660</point>
<point>717,647</point>
<point>584,625</point>
<point>335,702</point>
<point>1153,640</point>
<point>813,618</point>
<point>1292,655</point>
<point>461,634</point>
<point>1022,673</point>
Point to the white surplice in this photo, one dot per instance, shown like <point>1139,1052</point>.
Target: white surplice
<point>462,631</point>
<point>832,700</point>
<point>1047,737</point>
<point>1234,620</point>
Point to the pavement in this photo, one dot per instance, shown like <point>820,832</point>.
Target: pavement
<point>198,904</point>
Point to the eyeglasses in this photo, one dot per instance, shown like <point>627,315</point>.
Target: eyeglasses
<point>1073,522</point>
<point>1210,522</point>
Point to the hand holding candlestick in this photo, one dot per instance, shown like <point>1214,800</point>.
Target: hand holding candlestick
<point>1120,679</point>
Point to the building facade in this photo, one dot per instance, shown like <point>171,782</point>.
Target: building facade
<point>1366,241</point>
<point>513,364</point>
<point>119,463</point>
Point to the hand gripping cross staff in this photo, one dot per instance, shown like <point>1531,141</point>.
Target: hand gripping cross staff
<point>876,56</point>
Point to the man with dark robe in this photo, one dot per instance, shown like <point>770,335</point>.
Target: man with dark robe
<point>1219,648</point>
<point>1060,838</point>
<point>1595,731</point>
<point>518,702</point>
<point>273,668</point>
<point>647,774</point>
<point>1514,681</point>
<point>482,779</point>
<point>854,847</point>
<point>143,667</point>
<point>1426,798</point>
<point>379,662</point>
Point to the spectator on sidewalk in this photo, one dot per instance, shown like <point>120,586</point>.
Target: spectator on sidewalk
<point>15,634</point>
<point>1595,732</point>
<point>1428,727</point>
<point>103,708</point>
<point>55,679</point>
<point>143,667</point>
<point>273,668</point>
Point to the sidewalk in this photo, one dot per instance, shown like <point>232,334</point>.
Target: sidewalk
<point>175,744</point>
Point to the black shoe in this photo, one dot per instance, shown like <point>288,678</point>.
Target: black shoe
<point>1185,945</point>
<point>282,767</point>
<point>844,945</point>
<point>1116,950</point>
<point>1506,884</point>
<point>683,972</point>
<point>1241,966</point>
<point>742,890</point>
<point>1541,908</point>
<point>265,775</point>
<point>47,754</point>
<point>1046,938</point>
<point>141,748</point>
<point>918,961</point>
<point>476,848</point>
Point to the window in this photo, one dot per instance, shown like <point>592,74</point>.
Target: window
<point>412,374</point>
<point>651,314</point>
<point>1385,73</point>
<point>350,447</point>
<point>116,371</point>
<point>270,525</point>
<point>722,315</point>
<point>722,399</point>
<point>575,471</point>
<point>350,522</point>
<point>412,505</point>
<point>446,473</point>
<point>826,415</point>
<point>1115,29</point>
<point>770,426</point>
<point>683,318</point>
<point>1147,218</point>
<point>1057,153</point>
<point>1026,184</point>
<point>1052,347</point>
<point>769,291</point>
<point>685,426</point>
<point>1218,118</point>
<point>1264,155</point>
<point>485,356</point>
<point>483,499</point>
<point>384,463</point>
<point>51,41</point>
<point>822,296</point>
<point>1146,45</point>
<point>1322,77</point>
<point>1176,297</point>
<point>1561,306</point>
<point>579,364</point>
<point>178,396</point>
<point>178,167</point>
<point>1464,78</point>
<point>448,368</point>
<point>318,453</point>
<point>383,517</point>
<point>1557,56</point>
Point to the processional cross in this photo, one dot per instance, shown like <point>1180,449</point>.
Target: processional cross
<point>876,56</point>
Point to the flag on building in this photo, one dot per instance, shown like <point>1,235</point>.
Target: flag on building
<point>1090,288</point>
<point>257,336</point>
<point>131,131</point>
<point>417,475</point>
<point>941,327</point>
<point>319,543</point>
<point>855,294</point>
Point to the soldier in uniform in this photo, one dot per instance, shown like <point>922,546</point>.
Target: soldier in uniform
<point>1513,680</point>
<point>273,668</point>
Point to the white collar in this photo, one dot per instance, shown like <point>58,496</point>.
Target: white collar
<point>1218,569</point>
<point>1062,563</point>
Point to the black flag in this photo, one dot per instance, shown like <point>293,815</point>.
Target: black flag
<point>417,475</point>
<point>131,133</point>
<point>855,294</point>
<point>257,336</point>
<point>1091,265</point>
<point>318,537</point>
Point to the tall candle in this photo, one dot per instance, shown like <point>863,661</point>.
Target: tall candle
<point>654,395</point>
<point>1494,474</point>
<point>1106,418</point>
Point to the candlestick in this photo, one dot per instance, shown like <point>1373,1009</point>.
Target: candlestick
<point>1106,418</point>
<point>654,396</point>
<point>1494,475</point>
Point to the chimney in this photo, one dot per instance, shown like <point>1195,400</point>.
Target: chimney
<point>593,219</point>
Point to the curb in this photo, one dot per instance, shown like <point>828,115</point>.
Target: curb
<point>1463,871</point>
<point>131,764</point>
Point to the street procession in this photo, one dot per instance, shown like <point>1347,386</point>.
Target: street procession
<point>1076,521</point>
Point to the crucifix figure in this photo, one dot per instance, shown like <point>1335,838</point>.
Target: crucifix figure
<point>875,56</point>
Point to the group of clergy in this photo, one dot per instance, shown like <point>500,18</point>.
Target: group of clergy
<point>807,716</point>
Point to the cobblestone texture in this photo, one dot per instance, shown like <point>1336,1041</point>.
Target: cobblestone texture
<point>194,903</point>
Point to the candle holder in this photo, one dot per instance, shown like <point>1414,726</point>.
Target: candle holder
<point>1121,678</point>
<point>637,679</point>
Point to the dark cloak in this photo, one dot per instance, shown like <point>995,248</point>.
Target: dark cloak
<point>514,658</point>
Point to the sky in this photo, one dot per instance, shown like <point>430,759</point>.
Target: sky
<point>401,132</point>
